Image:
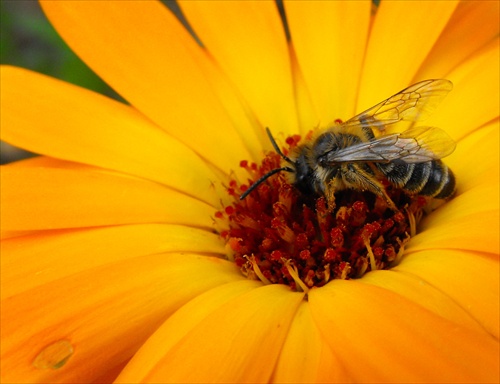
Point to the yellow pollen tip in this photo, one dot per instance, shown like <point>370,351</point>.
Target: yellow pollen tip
<point>413,222</point>
<point>257,270</point>
<point>292,270</point>
<point>366,241</point>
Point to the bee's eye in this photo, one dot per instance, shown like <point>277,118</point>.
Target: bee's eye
<point>322,161</point>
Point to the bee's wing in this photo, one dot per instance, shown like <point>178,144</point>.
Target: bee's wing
<point>415,145</point>
<point>413,103</point>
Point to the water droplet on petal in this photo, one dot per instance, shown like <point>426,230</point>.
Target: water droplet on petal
<point>54,356</point>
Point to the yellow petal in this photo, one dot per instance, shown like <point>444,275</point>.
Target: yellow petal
<point>401,37</point>
<point>50,117</point>
<point>244,330</point>
<point>468,278</point>
<point>475,99</point>
<point>463,223</point>
<point>76,198</point>
<point>40,258</point>
<point>481,146</point>
<point>255,57</point>
<point>103,313</point>
<point>330,39</point>
<point>243,118</point>
<point>380,336</point>
<point>306,111</point>
<point>305,356</point>
<point>473,25</point>
<point>143,52</point>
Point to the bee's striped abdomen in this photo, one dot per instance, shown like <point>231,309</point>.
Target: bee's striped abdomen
<point>432,178</point>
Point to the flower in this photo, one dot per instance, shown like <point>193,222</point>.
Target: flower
<point>112,267</point>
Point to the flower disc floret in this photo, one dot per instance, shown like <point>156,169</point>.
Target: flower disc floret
<point>280,236</point>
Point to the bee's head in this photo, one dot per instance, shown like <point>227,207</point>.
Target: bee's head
<point>304,174</point>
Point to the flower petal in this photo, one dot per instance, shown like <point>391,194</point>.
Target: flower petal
<point>305,356</point>
<point>401,37</point>
<point>255,58</point>
<point>457,43</point>
<point>235,322</point>
<point>143,52</point>
<point>39,161</point>
<point>463,224</point>
<point>417,290</point>
<point>475,99</point>
<point>380,336</point>
<point>135,295</point>
<point>481,146</point>
<point>50,162</point>
<point>185,318</point>
<point>330,63</point>
<point>40,258</point>
<point>468,278</point>
<point>76,198</point>
<point>55,118</point>
<point>306,112</point>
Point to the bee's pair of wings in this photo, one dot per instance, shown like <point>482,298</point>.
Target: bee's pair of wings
<point>415,145</point>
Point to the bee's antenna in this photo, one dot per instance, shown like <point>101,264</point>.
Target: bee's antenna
<point>276,148</point>
<point>272,172</point>
<point>263,178</point>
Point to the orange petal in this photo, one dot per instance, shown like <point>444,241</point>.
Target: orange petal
<point>473,25</point>
<point>60,253</point>
<point>104,314</point>
<point>380,336</point>
<point>50,162</point>
<point>330,39</point>
<point>247,40</point>
<point>188,316</point>
<point>415,289</point>
<point>76,198</point>
<point>143,52</point>
<point>242,328</point>
<point>468,278</point>
<point>305,356</point>
<point>402,35</point>
<point>50,117</point>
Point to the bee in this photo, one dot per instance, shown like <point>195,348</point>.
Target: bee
<point>350,155</point>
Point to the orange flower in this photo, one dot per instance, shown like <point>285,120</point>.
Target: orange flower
<point>112,268</point>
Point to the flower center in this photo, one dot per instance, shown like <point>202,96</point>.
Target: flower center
<point>282,236</point>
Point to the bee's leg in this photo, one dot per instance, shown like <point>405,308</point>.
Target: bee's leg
<point>357,178</point>
<point>330,198</point>
<point>381,192</point>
